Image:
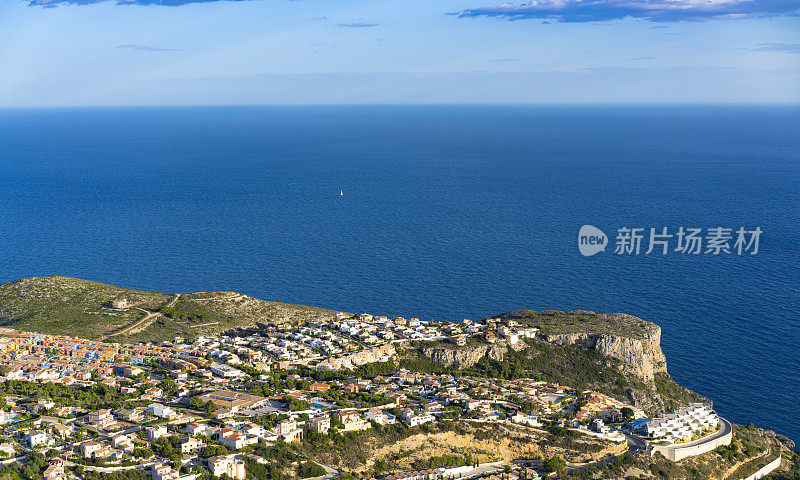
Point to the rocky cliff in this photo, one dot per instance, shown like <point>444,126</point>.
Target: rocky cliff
<point>465,357</point>
<point>633,341</point>
<point>640,357</point>
<point>614,353</point>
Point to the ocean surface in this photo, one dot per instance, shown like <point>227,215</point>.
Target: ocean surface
<point>446,213</point>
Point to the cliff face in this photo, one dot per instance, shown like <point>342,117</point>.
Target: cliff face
<point>464,357</point>
<point>640,357</point>
<point>622,358</point>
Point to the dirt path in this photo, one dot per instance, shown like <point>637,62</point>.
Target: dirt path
<point>149,316</point>
<point>227,296</point>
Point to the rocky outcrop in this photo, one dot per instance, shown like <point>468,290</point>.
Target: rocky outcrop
<point>641,357</point>
<point>624,343</point>
<point>463,357</point>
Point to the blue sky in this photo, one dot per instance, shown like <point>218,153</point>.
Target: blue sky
<point>153,52</point>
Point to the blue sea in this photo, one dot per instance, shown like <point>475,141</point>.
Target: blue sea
<point>446,212</point>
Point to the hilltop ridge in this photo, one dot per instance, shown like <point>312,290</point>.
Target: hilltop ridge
<point>82,308</point>
<point>633,341</point>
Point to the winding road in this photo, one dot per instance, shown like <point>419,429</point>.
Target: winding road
<point>148,316</point>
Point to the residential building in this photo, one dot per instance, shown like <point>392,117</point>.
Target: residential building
<point>682,424</point>
<point>88,448</point>
<point>100,419</point>
<point>161,411</point>
<point>227,465</point>
<point>413,419</point>
<point>351,420</point>
<point>37,438</point>
<point>322,424</point>
<point>381,417</point>
<point>155,432</point>
<point>191,445</point>
<point>160,471</point>
<point>55,471</point>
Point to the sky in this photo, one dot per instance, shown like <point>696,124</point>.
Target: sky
<point>256,52</point>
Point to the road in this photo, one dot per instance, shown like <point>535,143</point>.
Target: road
<point>484,468</point>
<point>330,472</point>
<point>149,316</point>
<point>635,444</point>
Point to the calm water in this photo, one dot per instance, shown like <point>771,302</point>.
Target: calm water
<point>447,213</point>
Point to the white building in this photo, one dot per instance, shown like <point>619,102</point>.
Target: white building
<point>322,424</point>
<point>161,410</point>
<point>163,472</point>
<point>37,439</point>
<point>155,432</point>
<point>682,424</point>
<point>238,440</point>
<point>227,465</point>
<point>381,417</point>
<point>225,371</point>
<point>530,420</point>
<point>412,419</point>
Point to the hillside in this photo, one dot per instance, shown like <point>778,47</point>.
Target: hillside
<point>81,308</point>
<point>616,354</point>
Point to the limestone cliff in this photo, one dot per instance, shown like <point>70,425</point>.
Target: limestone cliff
<point>633,341</point>
<point>640,357</point>
<point>462,358</point>
<point>614,353</point>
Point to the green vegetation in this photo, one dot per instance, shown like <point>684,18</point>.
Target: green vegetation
<point>613,469</point>
<point>294,404</point>
<point>571,440</point>
<point>69,306</point>
<point>674,394</point>
<point>570,365</point>
<point>90,398</point>
<point>555,464</point>
<point>579,321</point>
<point>310,469</point>
<point>270,471</point>
<point>132,474</point>
<point>410,359</point>
<point>442,461</point>
<point>81,308</point>
<point>375,369</point>
<point>751,467</point>
<point>353,448</point>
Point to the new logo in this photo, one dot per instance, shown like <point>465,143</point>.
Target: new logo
<point>591,240</point>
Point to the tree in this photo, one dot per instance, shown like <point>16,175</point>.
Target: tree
<point>627,413</point>
<point>168,386</point>
<point>310,469</point>
<point>295,404</point>
<point>555,464</point>
<point>142,453</point>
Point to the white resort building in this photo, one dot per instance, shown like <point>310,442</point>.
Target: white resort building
<point>681,424</point>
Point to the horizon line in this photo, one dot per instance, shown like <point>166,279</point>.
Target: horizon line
<point>407,104</point>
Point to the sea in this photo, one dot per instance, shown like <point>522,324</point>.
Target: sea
<point>437,212</point>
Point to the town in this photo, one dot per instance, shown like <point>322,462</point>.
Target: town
<point>211,406</point>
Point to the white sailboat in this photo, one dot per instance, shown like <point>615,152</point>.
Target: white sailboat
<point>341,192</point>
